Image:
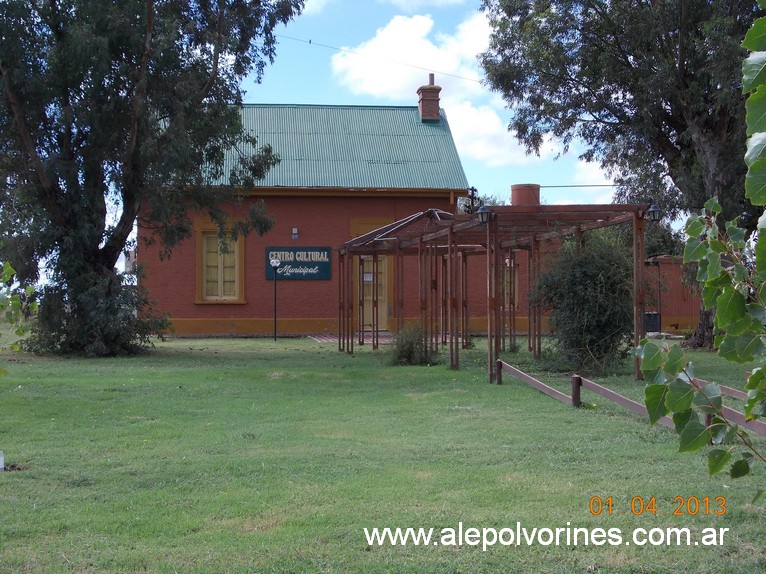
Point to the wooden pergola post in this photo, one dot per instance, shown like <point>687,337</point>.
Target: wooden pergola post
<point>360,301</point>
<point>341,302</point>
<point>375,319</point>
<point>639,303</point>
<point>423,291</point>
<point>452,289</point>
<point>493,336</point>
<point>399,288</point>
<point>465,329</point>
<point>346,311</point>
<point>512,297</point>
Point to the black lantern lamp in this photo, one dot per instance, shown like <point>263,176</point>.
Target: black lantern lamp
<point>654,213</point>
<point>484,213</point>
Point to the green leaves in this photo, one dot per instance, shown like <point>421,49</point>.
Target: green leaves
<point>680,396</point>
<point>694,436</point>
<point>717,460</point>
<point>754,80</point>
<point>732,272</point>
<point>694,250</point>
<point>755,39</point>
<point>13,307</point>
<point>756,112</point>
<point>755,182</point>
<point>654,399</point>
<point>735,288</point>
<point>756,394</point>
<point>754,71</point>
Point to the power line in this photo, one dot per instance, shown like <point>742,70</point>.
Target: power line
<point>582,185</point>
<point>353,53</point>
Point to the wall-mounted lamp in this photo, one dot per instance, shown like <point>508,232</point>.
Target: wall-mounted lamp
<point>484,213</point>
<point>654,213</point>
<point>295,233</point>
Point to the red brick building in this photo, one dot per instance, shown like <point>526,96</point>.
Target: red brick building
<point>344,171</point>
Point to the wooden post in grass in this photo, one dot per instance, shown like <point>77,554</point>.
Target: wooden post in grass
<point>576,386</point>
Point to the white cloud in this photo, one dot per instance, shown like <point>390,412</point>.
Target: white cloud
<point>393,63</point>
<point>590,173</point>
<point>386,66</point>
<point>417,5</point>
<point>396,60</point>
<point>481,134</point>
<point>402,53</point>
<point>315,6</point>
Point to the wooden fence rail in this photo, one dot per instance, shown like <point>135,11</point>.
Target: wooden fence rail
<point>578,383</point>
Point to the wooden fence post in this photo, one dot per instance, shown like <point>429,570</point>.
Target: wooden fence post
<point>576,386</point>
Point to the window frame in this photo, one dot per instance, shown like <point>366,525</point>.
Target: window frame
<point>202,232</point>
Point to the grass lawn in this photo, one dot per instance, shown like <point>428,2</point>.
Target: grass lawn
<point>249,455</point>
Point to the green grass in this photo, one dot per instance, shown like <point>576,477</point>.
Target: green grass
<point>212,456</point>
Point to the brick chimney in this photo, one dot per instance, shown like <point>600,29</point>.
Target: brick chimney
<point>525,194</point>
<point>428,101</point>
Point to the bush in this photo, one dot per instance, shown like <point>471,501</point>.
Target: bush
<point>112,317</point>
<point>411,347</point>
<point>588,293</point>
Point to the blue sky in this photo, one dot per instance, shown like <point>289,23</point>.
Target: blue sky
<point>378,52</point>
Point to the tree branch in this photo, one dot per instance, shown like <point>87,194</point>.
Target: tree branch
<point>203,93</point>
<point>25,135</point>
<point>131,201</point>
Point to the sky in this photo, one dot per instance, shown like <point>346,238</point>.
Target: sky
<point>378,52</point>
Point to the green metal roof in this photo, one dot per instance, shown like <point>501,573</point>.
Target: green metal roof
<point>379,147</point>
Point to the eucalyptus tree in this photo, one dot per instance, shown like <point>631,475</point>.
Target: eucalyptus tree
<point>111,111</point>
<point>652,90</point>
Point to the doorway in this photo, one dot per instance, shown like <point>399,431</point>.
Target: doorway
<point>367,276</point>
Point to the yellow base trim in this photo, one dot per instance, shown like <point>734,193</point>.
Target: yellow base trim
<point>244,327</point>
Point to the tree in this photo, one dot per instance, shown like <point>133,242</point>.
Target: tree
<point>651,89</point>
<point>474,201</point>
<point>112,111</point>
<point>732,272</point>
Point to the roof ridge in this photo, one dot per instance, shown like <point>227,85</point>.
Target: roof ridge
<point>361,106</point>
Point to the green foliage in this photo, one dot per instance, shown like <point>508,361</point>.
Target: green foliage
<point>731,267</point>
<point>587,291</point>
<point>113,112</point>
<point>15,307</point>
<point>114,317</point>
<point>652,89</point>
<point>474,201</point>
<point>412,348</point>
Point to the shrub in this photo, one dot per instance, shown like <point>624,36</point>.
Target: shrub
<point>588,293</point>
<point>411,347</point>
<point>112,317</point>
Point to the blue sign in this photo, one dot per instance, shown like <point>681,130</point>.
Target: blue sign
<point>299,263</point>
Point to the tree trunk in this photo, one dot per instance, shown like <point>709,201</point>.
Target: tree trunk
<point>703,336</point>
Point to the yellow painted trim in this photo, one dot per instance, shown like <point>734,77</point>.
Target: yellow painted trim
<point>203,226</point>
<point>250,326</point>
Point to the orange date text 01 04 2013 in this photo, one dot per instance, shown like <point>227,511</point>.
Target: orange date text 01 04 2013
<point>639,505</point>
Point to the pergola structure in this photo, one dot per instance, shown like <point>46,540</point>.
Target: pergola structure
<point>442,243</point>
